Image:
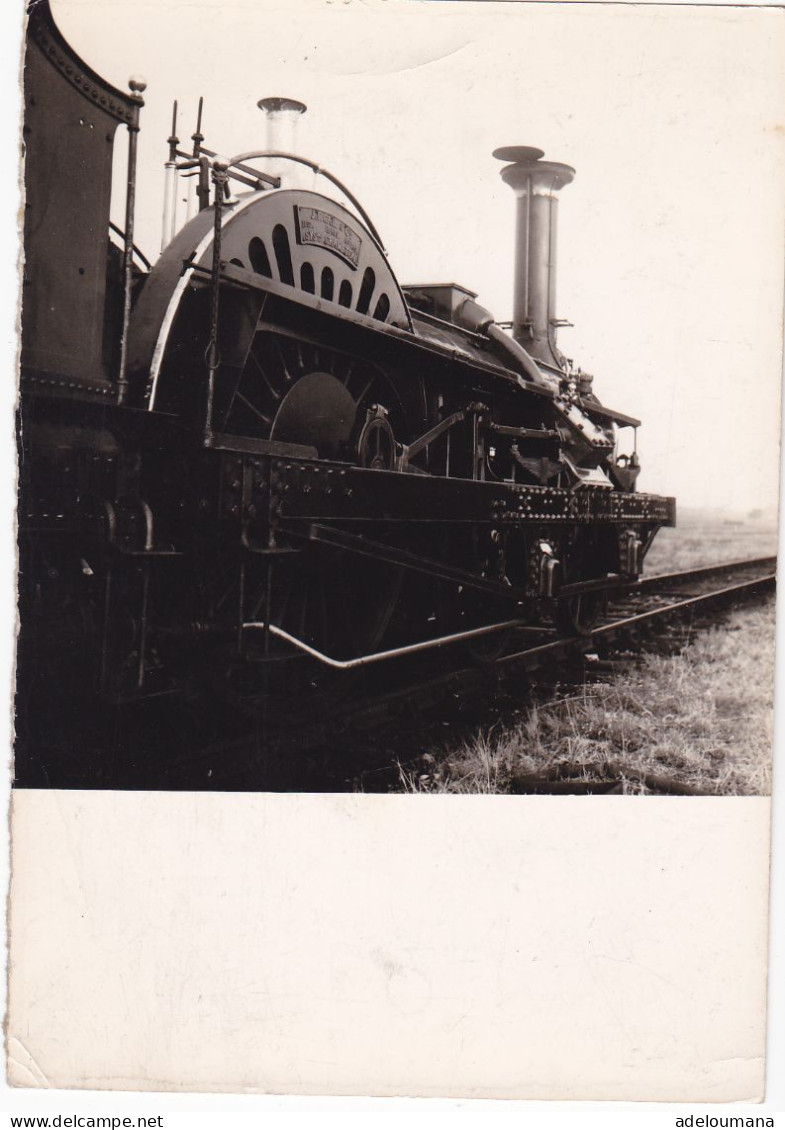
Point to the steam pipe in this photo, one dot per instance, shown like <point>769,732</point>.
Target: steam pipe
<point>169,223</point>
<point>516,352</point>
<point>475,318</point>
<point>251,155</point>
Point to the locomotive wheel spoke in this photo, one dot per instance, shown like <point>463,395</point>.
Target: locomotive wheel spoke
<point>323,608</point>
<point>345,603</point>
<point>286,597</point>
<point>244,399</point>
<point>233,398</point>
<point>577,615</point>
<point>303,611</point>
<point>338,603</point>
<point>279,348</point>
<point>366,389</point>
<point>273,391</point>
<point>342,600</point>
<point>226,587</point>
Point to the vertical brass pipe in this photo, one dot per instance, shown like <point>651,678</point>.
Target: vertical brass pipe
<point>220,176</point>
<point>203,177</point>
<point>137,86</point>
<point>169,223</point>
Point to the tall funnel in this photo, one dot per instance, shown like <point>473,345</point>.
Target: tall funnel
<point>282,116</point>
<point>535,183</point>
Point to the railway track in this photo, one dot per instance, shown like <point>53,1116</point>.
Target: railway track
<point>660,612</point>
<point>402,704</point>
<point>357,723</point>
<point>658,598</point>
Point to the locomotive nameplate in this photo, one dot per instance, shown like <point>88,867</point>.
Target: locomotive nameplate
<point>321,229</point>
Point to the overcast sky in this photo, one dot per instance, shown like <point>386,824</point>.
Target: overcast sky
<point>671,237</point>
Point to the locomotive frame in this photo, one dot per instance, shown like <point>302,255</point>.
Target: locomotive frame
<point>401,475</point>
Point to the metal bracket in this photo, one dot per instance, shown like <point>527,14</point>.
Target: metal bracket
<point>410,450</point>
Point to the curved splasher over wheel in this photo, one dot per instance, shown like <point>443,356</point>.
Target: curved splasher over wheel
<point>293,245</point>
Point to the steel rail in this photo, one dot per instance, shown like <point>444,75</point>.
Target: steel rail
<point>707,571</point>
<point>768,580</point>
<point>610,629</point>
<point>376,710</point>
<point>619,583</point>
<point>554,647</point>
<point>462,680</point>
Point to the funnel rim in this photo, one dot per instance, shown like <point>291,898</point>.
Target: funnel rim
<point>518,153</point>
<point>276,104</point>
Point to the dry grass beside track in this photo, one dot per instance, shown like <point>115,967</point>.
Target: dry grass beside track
<point>702,717</point>
<point>708,539</point>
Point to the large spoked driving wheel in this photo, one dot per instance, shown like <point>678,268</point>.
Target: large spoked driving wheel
<point>309,273</point>
<point>296,392</point>
<point>338,604</point>
<point>346,409</point>
<point>335,602</point>
<point>341,408</point>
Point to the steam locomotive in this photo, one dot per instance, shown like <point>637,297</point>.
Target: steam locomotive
<point>262,450</point>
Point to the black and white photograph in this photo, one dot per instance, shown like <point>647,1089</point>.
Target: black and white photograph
<point>290,519</point>
<point>398,455</point>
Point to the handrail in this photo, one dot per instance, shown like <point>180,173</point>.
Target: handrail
<point>140,254</point>
<point>252,155</point>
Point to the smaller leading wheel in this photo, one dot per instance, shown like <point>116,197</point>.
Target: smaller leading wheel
<point>577,615</point>
<point>462,608</point>
<point>583,559</point>
<point>376,441</point>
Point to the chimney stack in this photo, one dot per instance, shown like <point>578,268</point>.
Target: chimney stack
<point>535,183</point>
<point>282,116</point>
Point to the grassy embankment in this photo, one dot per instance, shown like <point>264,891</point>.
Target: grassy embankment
<point>707,539</point>
<point>702,717</point>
